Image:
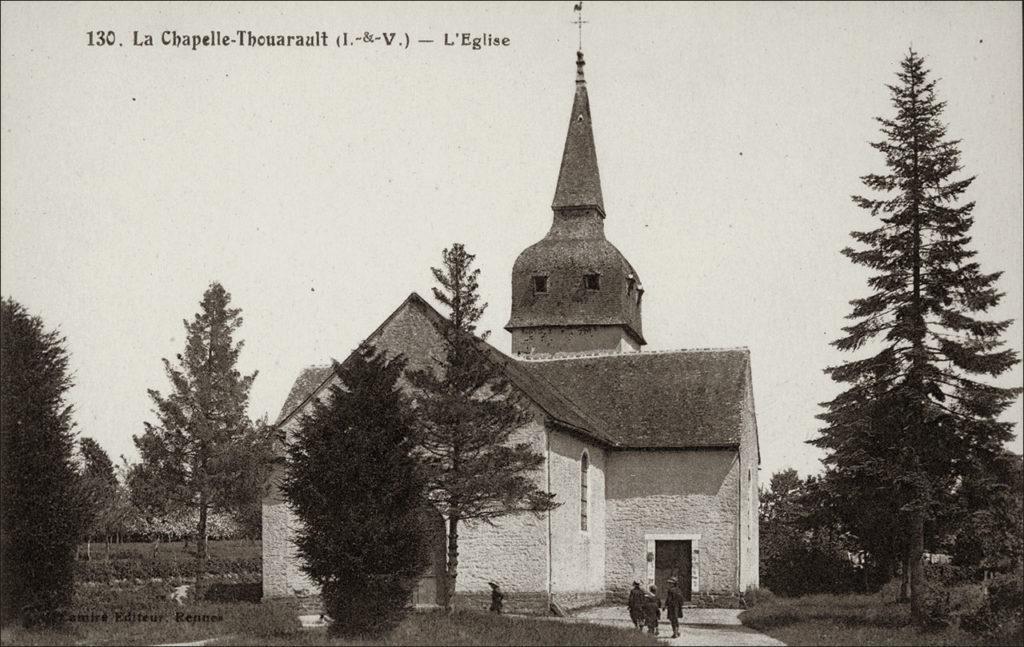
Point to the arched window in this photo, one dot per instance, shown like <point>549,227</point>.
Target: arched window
<point>584,468</point>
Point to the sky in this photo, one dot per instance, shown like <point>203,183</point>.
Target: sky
<point>319,185</point>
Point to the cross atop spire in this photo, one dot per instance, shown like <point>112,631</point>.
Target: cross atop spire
<point>579,184</point>
<point>579,22</point>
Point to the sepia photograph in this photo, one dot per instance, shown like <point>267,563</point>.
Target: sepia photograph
<point>511,323</point>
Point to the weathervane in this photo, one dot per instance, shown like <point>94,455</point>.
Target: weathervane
<point>579,22</point>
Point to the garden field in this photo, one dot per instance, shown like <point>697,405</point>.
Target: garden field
<point>147,561</point>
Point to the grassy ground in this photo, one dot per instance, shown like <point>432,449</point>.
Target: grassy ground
<point>141,614</point>
<point>465,628</point>
<point>845,620</point>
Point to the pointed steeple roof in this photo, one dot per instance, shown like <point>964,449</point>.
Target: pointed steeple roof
<point>579,183</point>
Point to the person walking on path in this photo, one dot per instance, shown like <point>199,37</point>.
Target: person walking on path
<point>636,606</point>
<point>496,597</point>
<point>652,610</point>
<point>674,605</point>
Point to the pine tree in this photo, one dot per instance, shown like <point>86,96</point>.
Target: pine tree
<point>193,456</point>
<point>915,412</point>
<point>357,488</point>
<point>477,471</point>
<point>39,521</point>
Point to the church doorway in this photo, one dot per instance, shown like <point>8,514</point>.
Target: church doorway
<point>430,589</point>
<point>672,558</point>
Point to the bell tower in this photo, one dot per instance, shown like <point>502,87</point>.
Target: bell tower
<point>573,291</point>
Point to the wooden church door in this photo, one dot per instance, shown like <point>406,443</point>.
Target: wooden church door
<point>672,559</point>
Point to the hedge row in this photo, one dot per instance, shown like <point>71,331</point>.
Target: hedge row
<point>103,571</point>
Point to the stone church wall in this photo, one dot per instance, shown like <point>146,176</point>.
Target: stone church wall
<point>512,552</point>
<point>282,576</point>
<point>750,522</point>
<point>577,556</point>
<point>692,493</point>
<point>544,340</point>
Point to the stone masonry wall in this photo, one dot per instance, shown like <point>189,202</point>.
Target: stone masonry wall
<point>749,464</point>
<point>282,576</point>
<point>672,493</point>
<point>566,339</point>
<point>577,556</point>
<point>513,551</point>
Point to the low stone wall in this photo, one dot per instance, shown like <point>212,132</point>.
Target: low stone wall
<point>578,599</point>
<point>517,602</point>
<point>702,600</point>
<point>303,604</point>
<point>713,600</point>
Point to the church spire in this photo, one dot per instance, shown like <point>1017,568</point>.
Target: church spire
<point>573,291</point>
<point>579,184</point>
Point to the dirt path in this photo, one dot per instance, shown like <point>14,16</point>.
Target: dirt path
<point>699,626</point>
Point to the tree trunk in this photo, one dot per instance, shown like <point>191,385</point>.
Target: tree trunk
<point>905,574</point>
<point>453,564</point>
<point>88,549</point>
<point>917,589</point>
<point>201,540</point>
<point>106,540</point>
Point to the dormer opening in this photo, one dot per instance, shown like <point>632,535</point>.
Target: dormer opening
<point>540,284</point>
<point>592,281</point>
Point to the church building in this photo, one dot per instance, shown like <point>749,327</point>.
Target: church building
<point>653,455</point>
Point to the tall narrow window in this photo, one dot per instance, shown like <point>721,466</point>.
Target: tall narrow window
<point>540,284</point>
<point>584,468</point>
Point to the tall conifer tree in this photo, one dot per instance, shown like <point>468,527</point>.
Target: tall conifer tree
<point>477,470</point>
<point>40,523</point>
<point>193,455</point>
<point>916,411</point>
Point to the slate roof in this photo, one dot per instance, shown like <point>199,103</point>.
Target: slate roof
<point>309,380</point>
<point>678,399</point>
<point>656,400</point>
<point>564,261</point>
<point>579,183</point>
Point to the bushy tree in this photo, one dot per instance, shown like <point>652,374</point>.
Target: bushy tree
<point>40,523</point>
<point>357,488</point>
<point>477,471</point>
<point>922,325</point>
<point>803,548</point>
<point>196,456</point>
<point>987,517</point>
<point>99,491</point>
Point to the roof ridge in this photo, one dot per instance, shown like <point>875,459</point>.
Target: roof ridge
<point>554,357</point>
